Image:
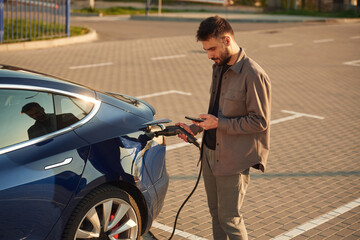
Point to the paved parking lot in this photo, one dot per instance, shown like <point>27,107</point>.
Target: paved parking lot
<point>311,189</point>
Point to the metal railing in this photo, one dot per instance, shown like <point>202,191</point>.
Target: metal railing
<point>24,20</point>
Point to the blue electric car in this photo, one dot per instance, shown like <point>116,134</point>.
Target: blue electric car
<point>76,163</point>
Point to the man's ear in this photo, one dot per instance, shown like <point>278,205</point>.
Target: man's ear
<point>227,40</point>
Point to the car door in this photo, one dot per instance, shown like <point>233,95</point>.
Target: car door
<point>40,163</point>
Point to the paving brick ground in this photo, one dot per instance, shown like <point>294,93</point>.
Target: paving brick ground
<point>314,163</point>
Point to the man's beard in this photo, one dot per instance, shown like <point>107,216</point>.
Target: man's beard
<point>224,58</point>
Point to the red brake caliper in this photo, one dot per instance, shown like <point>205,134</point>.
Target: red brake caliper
<point>111,218</point>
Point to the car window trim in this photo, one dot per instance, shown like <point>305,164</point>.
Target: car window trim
<point>30,142</point>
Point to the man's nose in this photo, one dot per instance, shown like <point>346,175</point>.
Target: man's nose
<point>210,55</point>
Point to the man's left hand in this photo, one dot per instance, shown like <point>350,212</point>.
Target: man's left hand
<point>210,122</point>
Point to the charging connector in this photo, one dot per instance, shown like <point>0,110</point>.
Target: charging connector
<point>175,130</point>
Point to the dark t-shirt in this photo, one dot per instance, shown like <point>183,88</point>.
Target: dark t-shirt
<point>210,135</point>
<point>41,128</point>
<point>51,124</point>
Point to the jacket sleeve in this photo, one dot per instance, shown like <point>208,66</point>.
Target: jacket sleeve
<point>258,104</point>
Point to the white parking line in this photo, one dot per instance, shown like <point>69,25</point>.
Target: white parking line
<point>294,116</point>
<point>177,232</point>
<point>179,145</point>
<point>281,45</point>
<point>355,37</point>
<point>323,40</point>
<point>168,57</point>
<point>164,93</point>
<point>355,63</point>
<point>91,65</point>
<point>318,221</point>
<point>302,114</point>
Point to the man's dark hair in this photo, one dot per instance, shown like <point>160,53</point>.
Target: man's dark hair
<point>213,27</point>
<point>30,106</point>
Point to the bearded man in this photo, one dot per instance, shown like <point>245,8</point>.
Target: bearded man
<point>237,127</point>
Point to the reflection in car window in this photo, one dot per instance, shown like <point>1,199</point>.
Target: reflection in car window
<point>14,126</point>
<point>26,115</point>
<point>44,122</point>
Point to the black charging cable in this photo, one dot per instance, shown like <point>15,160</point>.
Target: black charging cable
<point>183,204</point>
<point>171,131</point>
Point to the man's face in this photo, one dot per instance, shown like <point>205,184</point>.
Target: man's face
<point>217,50</point>
<point>37,114</point>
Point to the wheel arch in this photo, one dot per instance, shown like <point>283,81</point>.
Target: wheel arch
<point>139,199</point>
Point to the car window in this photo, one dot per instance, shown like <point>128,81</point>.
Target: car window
<point>78,108</point>
<point>26,115</point>
<point>15,125</point>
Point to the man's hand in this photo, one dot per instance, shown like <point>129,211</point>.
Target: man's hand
<point>210,122</point>
<point>186,128</point>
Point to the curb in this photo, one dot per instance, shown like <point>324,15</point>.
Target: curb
<point>165,19</point>
<point>195,19</point>
<point>31,45</point>
<point>243,20</point>
<point>342,20</point>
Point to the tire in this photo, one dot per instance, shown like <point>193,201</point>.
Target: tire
<point>105,213</point>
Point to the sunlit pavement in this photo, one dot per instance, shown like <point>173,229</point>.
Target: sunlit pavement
<point>311,188</point>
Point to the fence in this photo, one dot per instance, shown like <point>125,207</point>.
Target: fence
<point>23,20</point>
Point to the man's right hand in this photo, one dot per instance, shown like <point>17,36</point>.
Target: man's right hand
<point>186,128</point>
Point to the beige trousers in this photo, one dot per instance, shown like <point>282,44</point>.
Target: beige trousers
<point>225,196</point>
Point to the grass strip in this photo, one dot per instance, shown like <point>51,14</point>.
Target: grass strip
<point>21,30</point>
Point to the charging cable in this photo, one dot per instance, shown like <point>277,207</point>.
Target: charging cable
<point>172,131</point>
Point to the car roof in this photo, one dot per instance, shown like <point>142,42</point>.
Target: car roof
<point>14,76</point>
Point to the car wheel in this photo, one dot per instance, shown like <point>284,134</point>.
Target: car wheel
<point>106,213</point>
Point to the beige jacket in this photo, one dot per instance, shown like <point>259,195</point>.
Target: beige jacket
<point>243,133</point>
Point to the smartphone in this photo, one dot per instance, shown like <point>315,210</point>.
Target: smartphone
<point>195,119</point>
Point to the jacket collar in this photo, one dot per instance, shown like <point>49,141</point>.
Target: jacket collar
<point>237,66</point>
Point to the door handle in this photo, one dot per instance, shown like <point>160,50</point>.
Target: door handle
<point>65,162</point>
